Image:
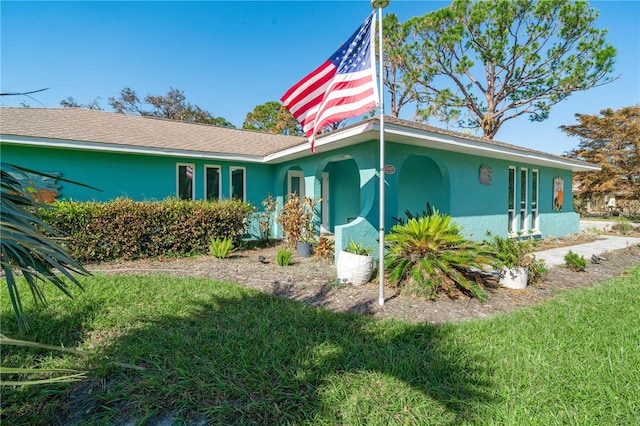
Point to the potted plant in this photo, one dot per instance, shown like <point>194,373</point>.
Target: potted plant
<point>296,219</point>
<point>515,260</point>
<point>355,264</point>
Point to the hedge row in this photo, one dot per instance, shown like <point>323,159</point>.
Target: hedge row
<point>127,229</point>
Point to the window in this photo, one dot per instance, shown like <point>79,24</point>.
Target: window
<point>185,181</point>
<point>237,189</point>
<point>212,183</point>
<point>534,200</point>
<point>512,199</point>
<point>524,223</point>
<point>296,183</point>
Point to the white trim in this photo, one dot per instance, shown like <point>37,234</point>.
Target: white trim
<point>193,180</point>
<point>324,202</point>
<point>206,188</point>
<point>511,211</point>
<point>244,181</point>
<point>523,202</point>
<point>535,212</point>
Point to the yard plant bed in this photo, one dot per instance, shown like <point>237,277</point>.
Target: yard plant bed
<point>312,281</point>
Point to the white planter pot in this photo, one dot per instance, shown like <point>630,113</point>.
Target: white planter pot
<point>513,277</point>
<point>354,268</point>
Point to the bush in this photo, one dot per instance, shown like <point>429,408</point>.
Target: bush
<point>283,257</point>
<point>127,229</point>
<point>220,247</point>
<point>515,253</point>
<point>575,262</point>
<point>428,255</point>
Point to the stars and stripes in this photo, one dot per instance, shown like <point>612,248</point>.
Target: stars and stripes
<point>342,87</point>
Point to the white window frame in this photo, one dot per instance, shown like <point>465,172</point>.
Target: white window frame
<point>524,196</point>
<point>299,174</point>
<point>324,195</point>
<point>244,181</point>
<point>535,217</point>
<point>205,186</point>
<point>193,180</point>
<point>512,218</point>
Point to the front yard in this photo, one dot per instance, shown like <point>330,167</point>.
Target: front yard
<point>200,351</point>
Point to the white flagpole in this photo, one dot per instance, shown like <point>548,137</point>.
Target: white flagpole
<point>380,4</point>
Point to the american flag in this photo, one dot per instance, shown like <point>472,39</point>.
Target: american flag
<point>343,86</point>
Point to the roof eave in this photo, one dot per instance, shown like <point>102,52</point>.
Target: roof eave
<point>126,149</point>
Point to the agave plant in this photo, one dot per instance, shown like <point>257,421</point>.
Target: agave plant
<point>428,254</point>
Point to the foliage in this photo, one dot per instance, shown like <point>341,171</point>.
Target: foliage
<point>265,218</point>
<point>575,262</point>
<point>512,252</point>
<point>357,248</point>
<point>272,117</point>
<point>283,257</point>
<point>127,229</point>
<point>428,212</point>
<point>28,245</point>
<point>483,63</point>
<point>623,226</point>
<point>612,141</point>
<point>172,106</point>
<point>221,247</point>
<point>397,59</point>
<point>297,218</point>
<point>428,255</point>
<point>517,253</point>
<point>324,247</point>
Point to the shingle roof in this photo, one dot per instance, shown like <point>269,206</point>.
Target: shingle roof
<point>92,129</point>
<point>78,124</point>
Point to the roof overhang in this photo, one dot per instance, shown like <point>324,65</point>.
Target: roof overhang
<point>370,130</point>
<point>126,149</point>
<point>354,134</point>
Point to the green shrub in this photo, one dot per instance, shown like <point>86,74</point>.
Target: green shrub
<point>127,229</point>
<point>517,253</point>
<point>623,226</point>
<point>283,257</point>
<point>575,262</point>
<point>428,255</point>
<point>220,247</point>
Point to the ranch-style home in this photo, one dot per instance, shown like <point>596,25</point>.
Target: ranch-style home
<point>483,184</point>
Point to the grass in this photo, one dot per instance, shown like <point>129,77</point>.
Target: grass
<point>217,353</point>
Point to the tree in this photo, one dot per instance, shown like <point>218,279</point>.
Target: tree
<point>611,140</point>
<point>483,63</point>
<point>71,103</point>
<point>272,117</point>
<point>398,60</point>
<point>172,106</point>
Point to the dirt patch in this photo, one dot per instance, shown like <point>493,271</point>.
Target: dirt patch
<point>312,281</point>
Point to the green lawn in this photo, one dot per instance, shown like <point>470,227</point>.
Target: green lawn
<point>217,353</point>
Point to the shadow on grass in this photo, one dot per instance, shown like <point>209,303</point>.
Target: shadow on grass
<point>243,357</point>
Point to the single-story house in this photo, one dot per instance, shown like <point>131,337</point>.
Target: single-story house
<point>483,184</point>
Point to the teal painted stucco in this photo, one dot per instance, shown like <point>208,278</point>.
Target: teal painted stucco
<point>139,177</point>
<point>445,180</point>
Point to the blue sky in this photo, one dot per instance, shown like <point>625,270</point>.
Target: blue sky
<point>229,56</point>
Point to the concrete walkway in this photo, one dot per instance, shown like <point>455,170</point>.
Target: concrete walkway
<point>555,257</point>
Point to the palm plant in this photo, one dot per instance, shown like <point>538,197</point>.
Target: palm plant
<point>428,254</point>
<point>27,243</point>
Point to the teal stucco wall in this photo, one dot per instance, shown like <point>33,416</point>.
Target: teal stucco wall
<point>139,177</point>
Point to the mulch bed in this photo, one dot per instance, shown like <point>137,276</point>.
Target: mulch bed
<point>312,281</point>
